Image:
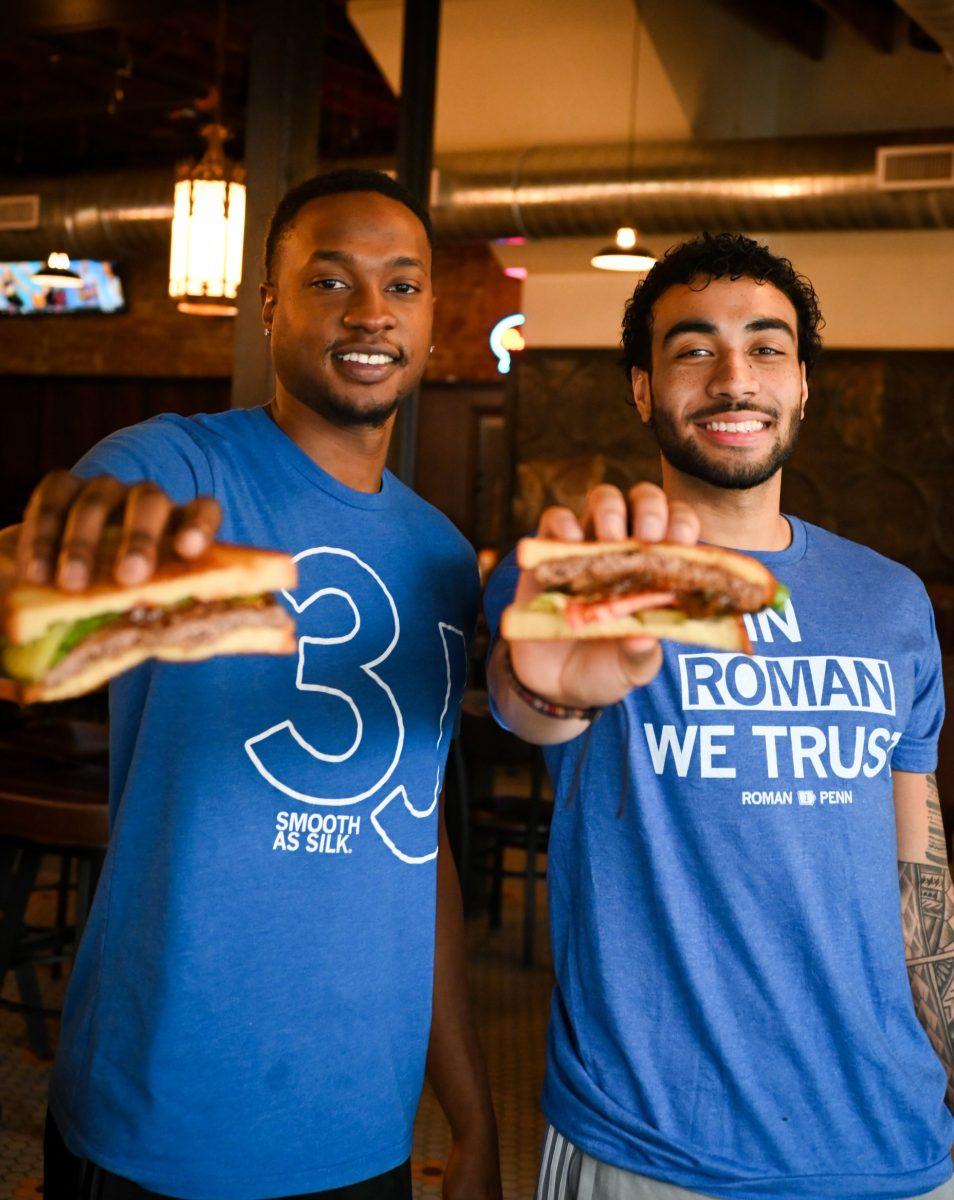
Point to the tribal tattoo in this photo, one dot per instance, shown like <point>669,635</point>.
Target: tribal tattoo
<point>927,908</point>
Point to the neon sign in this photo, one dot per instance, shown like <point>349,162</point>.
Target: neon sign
<point>505,338</point>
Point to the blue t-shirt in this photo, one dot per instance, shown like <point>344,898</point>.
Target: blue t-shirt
<point>249,1011</point>
<point>732,1011</point>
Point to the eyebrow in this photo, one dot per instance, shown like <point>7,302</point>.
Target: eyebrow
<point>346,259</point>
<point>755,326</point>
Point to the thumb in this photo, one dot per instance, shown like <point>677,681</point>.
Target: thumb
<point>640,659</point>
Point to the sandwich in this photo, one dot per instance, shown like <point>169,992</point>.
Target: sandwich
<point>695,594</point>
<point>56,644</point>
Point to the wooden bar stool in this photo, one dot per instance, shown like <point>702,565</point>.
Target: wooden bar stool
<point>46,808</point>
<point>499,819</point>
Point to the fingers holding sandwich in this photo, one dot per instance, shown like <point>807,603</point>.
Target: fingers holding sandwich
<point>151,521</point>
<point>195,526</point>
<point>588,616</point>
<point>41,533</point>
<point>655,518</point>
<point>83,529</point>
<point>70,524</point>
<point>591,673</point>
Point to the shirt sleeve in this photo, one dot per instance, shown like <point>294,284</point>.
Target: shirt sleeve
<point>917,748</point>
<point>163,450</point>
<point>499,592</point>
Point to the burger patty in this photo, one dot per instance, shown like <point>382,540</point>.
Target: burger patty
<point>201,621</point>
<point>703,589</point>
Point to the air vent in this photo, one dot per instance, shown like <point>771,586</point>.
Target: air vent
<point>915,167</point>
<point>19,212</point>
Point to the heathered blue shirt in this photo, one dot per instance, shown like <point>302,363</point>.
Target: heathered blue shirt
<point>249,1011</point>
<point>732,1011</point>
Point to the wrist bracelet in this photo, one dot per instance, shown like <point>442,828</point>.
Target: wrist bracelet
<point>546,708</point>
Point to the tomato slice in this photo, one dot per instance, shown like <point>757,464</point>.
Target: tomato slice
<point>587,612</point>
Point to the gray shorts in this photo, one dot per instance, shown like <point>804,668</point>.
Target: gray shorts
<point>566,1173</point>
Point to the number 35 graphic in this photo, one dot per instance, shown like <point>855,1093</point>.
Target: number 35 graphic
<point>344,666</point>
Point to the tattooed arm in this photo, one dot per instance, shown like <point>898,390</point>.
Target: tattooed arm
<point>927,909</point>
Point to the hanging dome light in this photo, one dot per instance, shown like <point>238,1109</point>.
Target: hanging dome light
<point>625,255</point>
<point>208,226</point>
<point>57,273</point>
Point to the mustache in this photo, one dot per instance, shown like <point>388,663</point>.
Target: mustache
<point>343,347</point>
<point>734,406</point>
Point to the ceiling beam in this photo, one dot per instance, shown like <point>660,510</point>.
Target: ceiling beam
<point>878,22</point>
<point>798,24</point>
<point>74,16</point>
<point>281,149</point>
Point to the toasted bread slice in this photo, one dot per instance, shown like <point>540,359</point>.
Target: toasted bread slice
<point>252,640</point>
<point>532,552</point>
<point>223,572</point>
<point>721,633</point>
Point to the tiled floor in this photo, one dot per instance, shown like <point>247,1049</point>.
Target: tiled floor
<point>511,1006</point>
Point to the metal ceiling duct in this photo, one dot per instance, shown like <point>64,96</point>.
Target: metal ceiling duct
<point>93,216</point>
<point>936,18</point>
<point>829,183</point>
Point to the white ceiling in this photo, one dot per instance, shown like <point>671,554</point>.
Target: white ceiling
<point>539,72</point>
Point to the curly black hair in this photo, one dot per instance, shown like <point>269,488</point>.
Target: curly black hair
<point>335,183</point>
<point>719,256</point>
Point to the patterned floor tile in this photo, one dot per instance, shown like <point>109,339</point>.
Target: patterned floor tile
<point>510,1008</point>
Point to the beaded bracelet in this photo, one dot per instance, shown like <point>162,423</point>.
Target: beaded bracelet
<point>547,708</point>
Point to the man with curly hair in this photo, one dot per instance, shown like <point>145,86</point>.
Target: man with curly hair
<point>745,849</point>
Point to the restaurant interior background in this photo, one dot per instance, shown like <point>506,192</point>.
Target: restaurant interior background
<point>825,127</point>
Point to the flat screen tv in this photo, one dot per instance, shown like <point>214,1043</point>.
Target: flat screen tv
<point>100,291</point>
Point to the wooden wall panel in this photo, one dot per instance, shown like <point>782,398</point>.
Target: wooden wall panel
<point>50,422</point>
<point>875,462</point>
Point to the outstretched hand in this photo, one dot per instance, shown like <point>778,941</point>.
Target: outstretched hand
<point>66,523</point>
<point>597,673</point>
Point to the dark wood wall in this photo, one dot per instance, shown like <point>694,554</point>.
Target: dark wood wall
<point>68,381</point>
<point>49,422</point>
<point>875,461</point>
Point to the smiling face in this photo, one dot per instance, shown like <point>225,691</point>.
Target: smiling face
<point>350,307</point>
<point>726,393</point>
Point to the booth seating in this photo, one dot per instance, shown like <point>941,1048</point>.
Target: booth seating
<point>53,801</point>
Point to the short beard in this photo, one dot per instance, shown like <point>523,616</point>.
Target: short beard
<point>337,411</point>
<point>687,456</point>
<point>344,414</point>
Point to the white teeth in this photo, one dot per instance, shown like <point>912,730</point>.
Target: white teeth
<point>371,360</point>
<point>736,426</point>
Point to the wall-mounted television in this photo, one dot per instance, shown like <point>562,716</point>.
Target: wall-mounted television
<point>100,291</point>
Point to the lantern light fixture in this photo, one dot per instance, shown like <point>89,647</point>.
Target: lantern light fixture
<point>208,227</point>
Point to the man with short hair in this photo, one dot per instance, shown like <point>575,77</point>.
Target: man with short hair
<point>732,1015</point>
<point>251,1006</point>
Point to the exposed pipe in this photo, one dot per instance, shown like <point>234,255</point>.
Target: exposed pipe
<point>93,216</point>
<point>936,18</point>
<point>766,185</point>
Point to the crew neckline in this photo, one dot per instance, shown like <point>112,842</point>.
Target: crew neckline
<point>296,458</point>
<point>794,551</point>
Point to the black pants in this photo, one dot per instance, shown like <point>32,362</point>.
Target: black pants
<point>67,1177</point>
